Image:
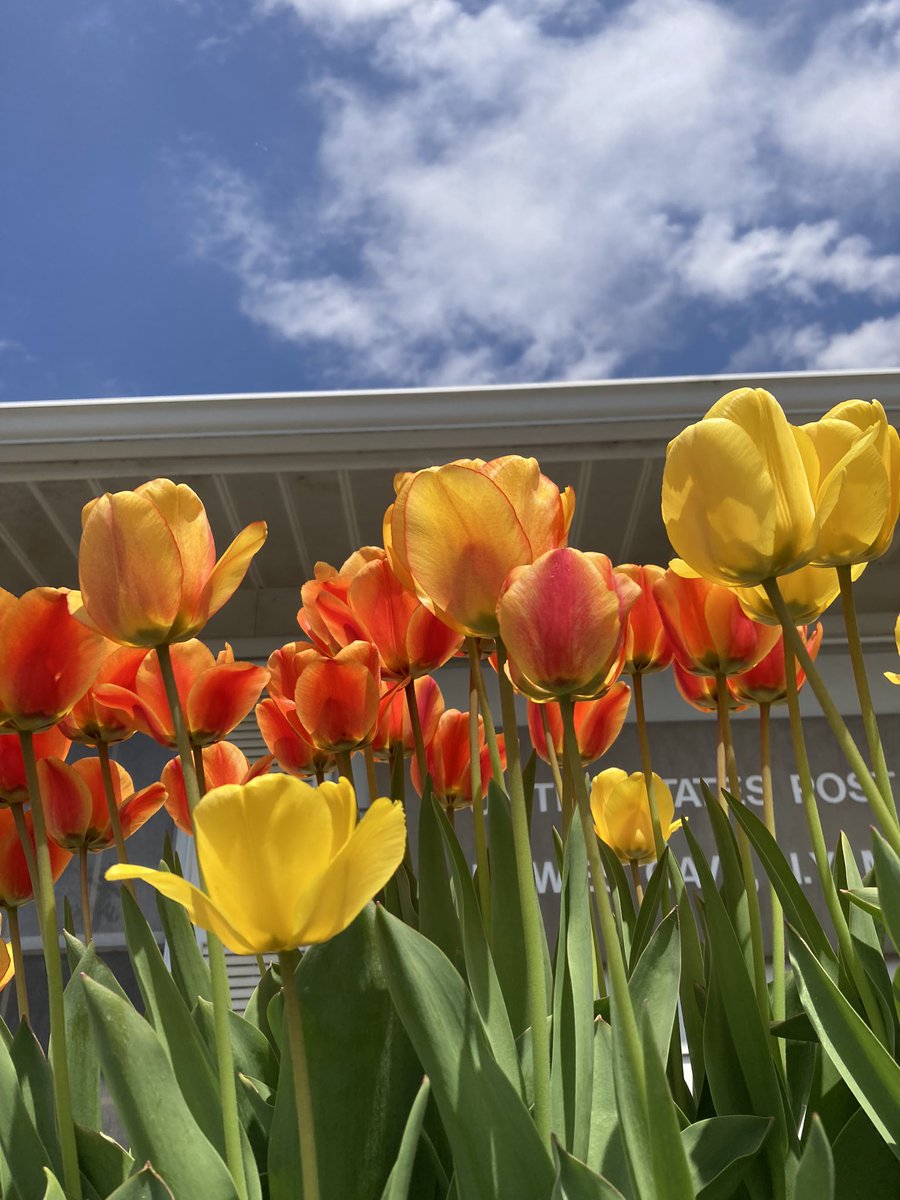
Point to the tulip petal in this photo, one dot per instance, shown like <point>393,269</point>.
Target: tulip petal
<point>183,511</point>
<point>220,699</point>
<point>139,808</point>
<point>341,800</point>
<point>228,573</point>
<point>359,872</point>
<point>67,803</point>
<point>7,967</point>
<point>200,908</point>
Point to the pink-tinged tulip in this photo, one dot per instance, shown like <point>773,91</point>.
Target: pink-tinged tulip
<point>765,683</point>
<point>394,726</point>
<point>707,627</point>
<point>147,564</point>
<point>701,691</point>
<point>325,615</point>
<point>288,741</point>
<point>621,811</point>
<point>91,721</point>
<point>15,882</point>
<point>223,763</point>
<point>597,724</point>
<point>216,694</point>
<point>647,645</point>
<point>455,532</point>
<point>449,761</point>
<point>76,808</point>
<point>337,698</point>
<point>48,660</point>
<point>50,743</point>
<point>563,622</point>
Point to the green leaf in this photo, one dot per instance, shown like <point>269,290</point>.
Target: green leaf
<point>84,1065</point>
<point>692,974</point>
<point>400,1178</point>
<point>887,873</point>
<point>864,1064</point>
<point>572,1064</point>
<point>253,1054</point>
<point>576,1181</point>
<point>733,891</point>
<point>104,1163</point>
<point>814,1179</point>
<point>643,926</point>
<point>53,1189</point>
<point>36,1086</point>
<point>865,898</point>
<point>621,897</point>
<point>25,1153</point>
<point>864,1167</point>
<point>671,1169</point>
<point>352,1034</point>
<point>437,915</point>
<point>867,941</point>
<point>606,1151</point>
<point>719,1151</point>
<point>159,1123</point>
<point>496,1149</point>
<point>257,1010</point>
<point>480,971</point>
<point>655,979</point>
<point>75,950</point>
<point>507,936</point>
<point>189,968</point>
<point>145,1185</point>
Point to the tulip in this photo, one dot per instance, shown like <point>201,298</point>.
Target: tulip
<point>325,615</point>
<point>893,676</point>
<point>449,761</point>
<point>858,493</point>
<point>765,683</point>
<point>807,593</point>
<point>738,491</point>
<point>709,631</point>
<point>288,741</point>
<point>563,622</point>
<point>337,698</point>
<point>223,763</point>
<point>597,724</point>
<point>15,881</point>
<point>455,532</point>
<point>284,864</point>
<point>76,808</point>
<point>216,694</point>
<point>701,691</point>
<point>394,726</point>
<point>621,812</point>
<point>48,660</point>
<point>50,743</point>
<point>91,721</point>
<point>7,966</point>
<point>647,645</point>
<point>147,564</point>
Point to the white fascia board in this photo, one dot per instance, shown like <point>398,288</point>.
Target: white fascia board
<point>324,430</point>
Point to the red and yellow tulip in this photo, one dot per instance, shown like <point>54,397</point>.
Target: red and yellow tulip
<point>597,724</point>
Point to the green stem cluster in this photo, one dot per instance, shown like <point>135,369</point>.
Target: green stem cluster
<point>309,1163</point>
<point>765,758</point>
<point>481,850</point>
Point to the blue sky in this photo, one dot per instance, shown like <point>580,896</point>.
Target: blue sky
<point>254,195</point>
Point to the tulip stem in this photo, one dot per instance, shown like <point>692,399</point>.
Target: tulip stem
<point>306,1128</point>
<point>320,776</point>
<point>112,805</point>
<point>86,922</point>
<point>820,851</point>
<point>490,731</point>
<point>886,819</point>
<point>15,941</point>
<point>636,880</point>
<point>870,720</point>
<point>345,766</point>
<point>481,850</point>
<point>754,915</point>
<point>554,768</point>
<point>218,972</point>
<point>46,904</point>
<point>371,776</point>
<point>416,724</point>
<point>646,764</point>
<point>528,901</point>
<point>27,843</point>
<point>765,759</point>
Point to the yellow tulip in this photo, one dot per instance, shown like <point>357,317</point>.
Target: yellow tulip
<point>807,594</point>
<point>858,494</point>
<point>621,812</point>
<point>284,864</point>
<point>7,966</point>
<point>892,675</point>
<point>737,494</point>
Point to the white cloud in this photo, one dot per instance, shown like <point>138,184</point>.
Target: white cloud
<point>521,204</point>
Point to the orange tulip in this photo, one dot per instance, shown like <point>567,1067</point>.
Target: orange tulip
<point>765,683</point>
<point>325,615</point>
<point>597,724</point>
<point>50,743</point>
<point>707,626</point>
<point>455,532</point>
<point>337,698</point>
<point>216,694</point>
<point>148,568</point>
<point>700,691</point>
<point>15,882</point>
<point>563,621</point>
<point>91,721</point>
<point>647,645</point>
<point>288,741</point>
<point>223,763</point>
<point>48,660</point>
<point>75,804</point>
<point>394,726</point>
<point>449,761</point>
